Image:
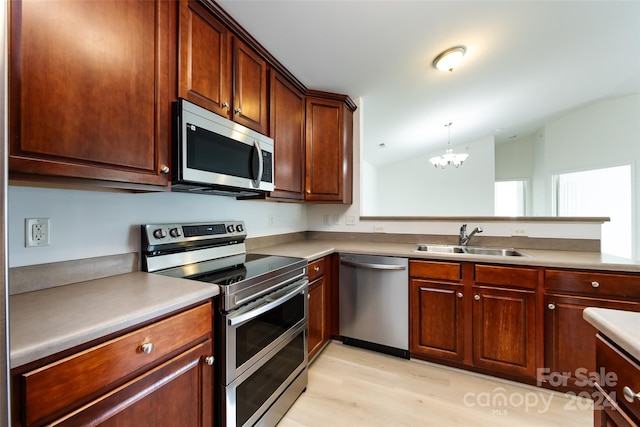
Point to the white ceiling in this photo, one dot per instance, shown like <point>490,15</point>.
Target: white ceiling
<point>526,62</point>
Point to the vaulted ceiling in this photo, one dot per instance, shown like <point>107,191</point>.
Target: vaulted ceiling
<point>526,62</point>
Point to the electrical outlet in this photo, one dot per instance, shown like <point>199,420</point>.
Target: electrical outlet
<point>351,220</point>
<point>37,232</point>
<point>378,229</point>
<point>336,219</point>
<point>519,231</point>
<point>325,219</point>
<point>271,220</point>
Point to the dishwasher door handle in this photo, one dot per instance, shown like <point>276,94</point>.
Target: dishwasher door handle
<point>373,266</point>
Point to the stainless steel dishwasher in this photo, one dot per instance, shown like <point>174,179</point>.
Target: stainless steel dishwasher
<point>374,303</point>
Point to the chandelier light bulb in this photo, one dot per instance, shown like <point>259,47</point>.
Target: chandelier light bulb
<point>449,157</point>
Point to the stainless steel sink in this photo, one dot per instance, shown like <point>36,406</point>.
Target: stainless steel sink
<point>472,250</point>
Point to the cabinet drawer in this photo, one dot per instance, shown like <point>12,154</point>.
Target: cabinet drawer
<point>436,270</point>
<point>593,283</point>
<point>621,372</point>
<point>59,384</point>
<point>316,269</point>
<point>507,276</point>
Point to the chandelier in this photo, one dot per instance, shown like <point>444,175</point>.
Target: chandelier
<point>449,157</point>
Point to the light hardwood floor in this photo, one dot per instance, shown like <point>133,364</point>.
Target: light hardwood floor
<point>349,386</point>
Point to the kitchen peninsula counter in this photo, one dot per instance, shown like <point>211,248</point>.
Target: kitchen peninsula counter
<point>316,248</point>
<point>48,321</point>
<point>621,327</point>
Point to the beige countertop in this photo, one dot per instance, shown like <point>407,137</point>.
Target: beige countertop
<point>313,249</point>
<point>622,327</point>
<point>48,321</point>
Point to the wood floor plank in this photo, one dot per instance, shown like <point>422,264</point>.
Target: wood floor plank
<point>349,386</point>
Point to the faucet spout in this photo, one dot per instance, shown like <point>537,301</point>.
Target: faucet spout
<point>464,238</point>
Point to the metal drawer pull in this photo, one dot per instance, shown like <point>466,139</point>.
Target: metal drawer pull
<point>595,284</point>
<point>552,306</point>
<point>460,295</point>
<point>146,347</point>
<point>477,297</point>
<point>630,395</point>
<point>316,268</point>
<point>209,360</point>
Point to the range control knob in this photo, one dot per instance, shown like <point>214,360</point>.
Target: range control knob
<point>239,228</point>
<point>175,232</point>
<point>231,228</point>
<point>160,233</point>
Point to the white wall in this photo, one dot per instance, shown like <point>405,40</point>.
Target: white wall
<point>600,135</point>
<point>317,213</point>
<point>87,224</point>
<point>414,187</point>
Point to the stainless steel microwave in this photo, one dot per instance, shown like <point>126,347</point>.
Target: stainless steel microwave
<point>212,154</point>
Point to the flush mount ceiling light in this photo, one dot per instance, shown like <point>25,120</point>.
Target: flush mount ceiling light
<point>449,59</point>
<point>449,157</point>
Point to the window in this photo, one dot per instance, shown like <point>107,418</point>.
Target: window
<point>510,198</point>
<point>599,192</point>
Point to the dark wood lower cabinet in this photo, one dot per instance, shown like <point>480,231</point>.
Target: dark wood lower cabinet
<point>179,392</point>
<point>160,374</point>
<point>504,326</point>
<point>612,405</point>
<point>437,319</point>
<point>320,314</point>
<point>317,318</point>
<point>570,352</point>
<point>491,329</point>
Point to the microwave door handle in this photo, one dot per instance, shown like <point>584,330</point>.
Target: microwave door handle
<point>258,177</point>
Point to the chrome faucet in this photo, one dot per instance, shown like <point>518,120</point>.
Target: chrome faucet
<point>464,239</point>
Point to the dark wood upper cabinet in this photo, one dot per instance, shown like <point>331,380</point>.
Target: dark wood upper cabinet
<point>250,107</point>
<point>204,66</point>
<point>287,106</point>
<point>329,148</point>
<point>220,72</point>
<point>90,90</point>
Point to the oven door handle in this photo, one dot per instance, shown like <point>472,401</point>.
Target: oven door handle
<point>266,307</point>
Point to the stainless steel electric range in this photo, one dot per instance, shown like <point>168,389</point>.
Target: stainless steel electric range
<point>260,329</point>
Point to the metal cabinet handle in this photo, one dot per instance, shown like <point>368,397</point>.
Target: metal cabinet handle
<point>552,306</point>
<point>460,295</point>
<point>595,284</point>
<point>225,105</point>
<point>209,360</point>
<point>164,169</point>
<point>238,110</point>
<point>146,347</point>
<point>630,395</point>
<point>316,268</point>
<point>476,297</point>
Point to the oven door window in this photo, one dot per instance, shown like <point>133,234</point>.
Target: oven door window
<point>259,333</point>
<point>269,379</point>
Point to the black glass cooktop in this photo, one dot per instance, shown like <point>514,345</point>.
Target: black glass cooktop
<point>237,268</point>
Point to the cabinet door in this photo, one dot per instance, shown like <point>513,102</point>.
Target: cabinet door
<point>90,90</point>
<point>569,343</point>
<point>179,391</point>
<point>287,131</point>
<point>204,59</point>
<point>317,317</point>
<point>249,88</point>
<point>504,324</point>
<point>328,151</point>
<point>436,319</point>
